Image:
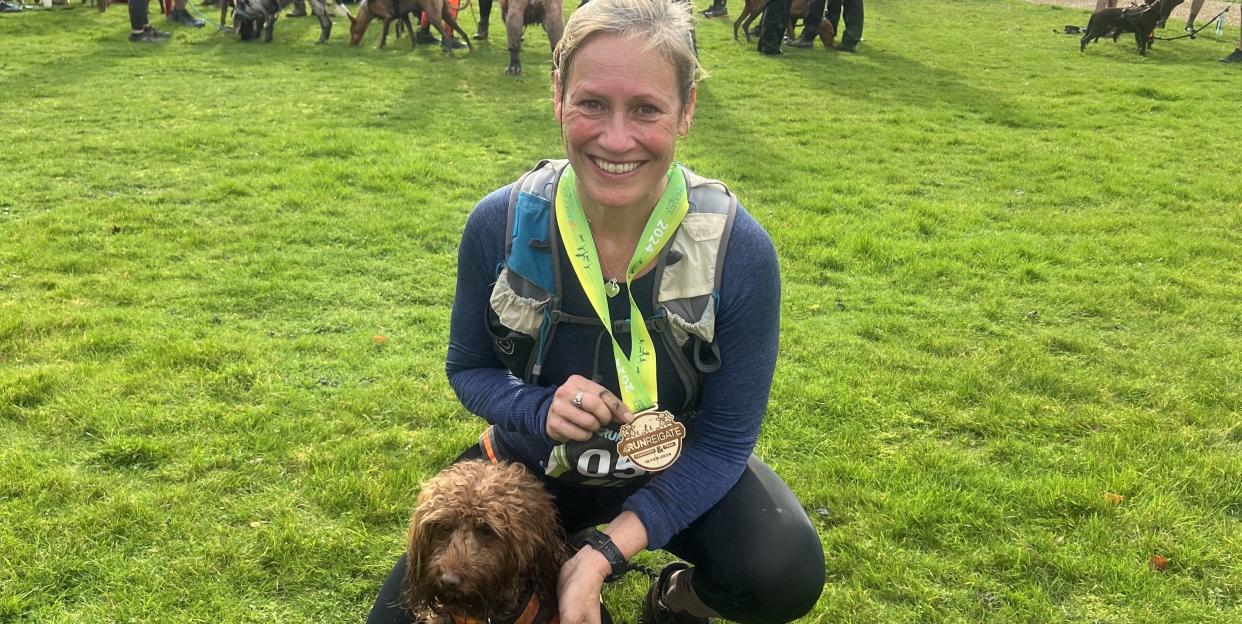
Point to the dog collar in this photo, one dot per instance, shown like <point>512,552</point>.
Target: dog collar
<point>528,616</point>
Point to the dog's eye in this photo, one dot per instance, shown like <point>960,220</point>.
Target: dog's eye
<point>484,528</point>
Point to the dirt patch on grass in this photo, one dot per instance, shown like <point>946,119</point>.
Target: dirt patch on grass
<point>1177,20</point>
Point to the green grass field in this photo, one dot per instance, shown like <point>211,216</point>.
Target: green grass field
<point>1011,367</point>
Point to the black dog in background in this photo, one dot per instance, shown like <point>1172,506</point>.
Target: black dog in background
<point>1140,20</point>
<point>254,17</point>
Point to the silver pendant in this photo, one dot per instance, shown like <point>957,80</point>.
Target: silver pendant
<point>612,288</point>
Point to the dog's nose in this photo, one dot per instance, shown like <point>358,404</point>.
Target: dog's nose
<point>448,580</point>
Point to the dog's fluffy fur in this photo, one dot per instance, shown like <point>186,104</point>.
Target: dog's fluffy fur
<point>483,538</point>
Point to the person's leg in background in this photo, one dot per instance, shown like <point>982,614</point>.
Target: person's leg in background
<point>810,24</point>
<point>485,16</point>
<point>1195,7</point>
<point>424,28</point>
<point>775,21</point>
<point>852,13</point>
<point>140,30</point>
<point>182,16</point>
<point>1236,56</point>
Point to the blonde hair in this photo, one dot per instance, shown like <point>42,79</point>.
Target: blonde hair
<point>666,26</point>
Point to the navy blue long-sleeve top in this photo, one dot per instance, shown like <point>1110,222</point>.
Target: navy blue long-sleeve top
<point>734,397</point>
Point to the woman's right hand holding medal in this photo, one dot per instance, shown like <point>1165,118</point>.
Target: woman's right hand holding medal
<point>580,407</point>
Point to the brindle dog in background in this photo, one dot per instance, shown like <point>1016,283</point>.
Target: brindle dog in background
<point>399,11</point>
<point>797,8</point>
<point>518,14</point>
<point>254,17</point>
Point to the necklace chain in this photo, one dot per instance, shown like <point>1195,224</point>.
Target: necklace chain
<point>611,287</point>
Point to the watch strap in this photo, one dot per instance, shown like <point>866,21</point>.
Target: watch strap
<point>603,545</point>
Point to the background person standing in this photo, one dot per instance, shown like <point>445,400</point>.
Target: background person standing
<point>1236,55</point>
<point>775,21</point>
<point>140,30</point>
<point>852,11</point>
<point>1195,7</point>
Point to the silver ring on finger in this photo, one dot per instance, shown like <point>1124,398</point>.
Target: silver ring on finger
<point>577,400</point>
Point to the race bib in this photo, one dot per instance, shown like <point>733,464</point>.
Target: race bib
<point>594,462</point>
<point>616,454</point>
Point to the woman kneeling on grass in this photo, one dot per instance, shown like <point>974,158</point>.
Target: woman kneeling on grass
<point>676,270</point>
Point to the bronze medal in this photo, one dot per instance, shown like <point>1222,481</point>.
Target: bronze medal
<point>652,441</point>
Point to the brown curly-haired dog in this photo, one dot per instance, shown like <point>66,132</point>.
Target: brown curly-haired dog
<point>483,540</point>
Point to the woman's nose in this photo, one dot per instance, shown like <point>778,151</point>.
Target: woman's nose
<point>618,135</point>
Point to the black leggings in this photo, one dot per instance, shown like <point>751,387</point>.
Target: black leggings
<point>757,557</point>
<point>485,14</point>
<point>138,14</point>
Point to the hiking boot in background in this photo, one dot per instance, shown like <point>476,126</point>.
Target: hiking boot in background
<point>717,9</point>
<point>183,17</point>
<point>147,36</point>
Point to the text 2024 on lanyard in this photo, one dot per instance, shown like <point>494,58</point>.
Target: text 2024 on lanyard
<point>653,440</point>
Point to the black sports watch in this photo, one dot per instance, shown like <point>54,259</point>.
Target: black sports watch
<point>603,545</point>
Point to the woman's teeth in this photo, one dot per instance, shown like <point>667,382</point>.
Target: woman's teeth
<point>612,167</point>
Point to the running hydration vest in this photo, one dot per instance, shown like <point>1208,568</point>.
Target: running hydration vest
<point>525,306</point>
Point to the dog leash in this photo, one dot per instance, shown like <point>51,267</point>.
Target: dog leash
<point>1196,31</point>
<point>194,8</point>
<point>190,4</point>
<point>644,570</point>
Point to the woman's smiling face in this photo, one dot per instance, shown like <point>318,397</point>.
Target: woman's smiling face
<point>620,114</point>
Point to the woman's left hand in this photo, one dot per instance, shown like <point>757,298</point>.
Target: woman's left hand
<point>579,585</point>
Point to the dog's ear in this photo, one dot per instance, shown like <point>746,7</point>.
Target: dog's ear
<point>414,584</point>
<point>538,539</point>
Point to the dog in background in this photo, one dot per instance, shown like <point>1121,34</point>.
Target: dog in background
<point>797,8</point>
<point>485,545</point>
<point>254,17</point>
<point>370,10</point>
<point>520,13</point>
<point>1138,19</point>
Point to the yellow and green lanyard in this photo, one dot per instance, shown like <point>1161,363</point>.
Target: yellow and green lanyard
<point>636,373</point>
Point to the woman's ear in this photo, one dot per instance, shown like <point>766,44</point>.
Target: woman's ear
<point>557,94</point>
<point>687,113</point>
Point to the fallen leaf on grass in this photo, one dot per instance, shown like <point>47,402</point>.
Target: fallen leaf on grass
<point>378,339</point>
<point>1158,563</point>
<point>1114,499</point>
<point>258,523</point>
